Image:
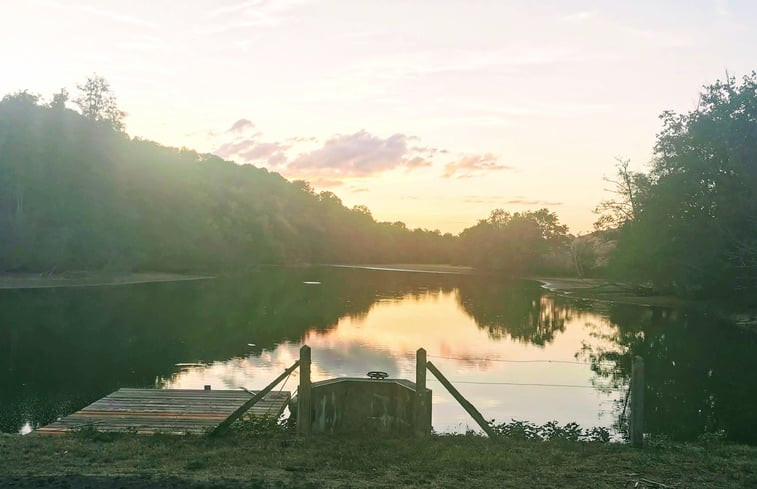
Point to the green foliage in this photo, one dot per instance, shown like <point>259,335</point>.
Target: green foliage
<point>695,226</point>
<point>96,102</point>
<point>76,193</point>
<point>513,243</point>
<point>523,430</point>
<point>266,425</point>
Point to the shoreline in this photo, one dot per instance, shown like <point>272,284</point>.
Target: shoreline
<point>603,290</point>
<point>25,281</point>
<point>412,267</point>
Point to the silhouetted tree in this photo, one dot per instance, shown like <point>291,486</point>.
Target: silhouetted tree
<point>629,189</point>
<point>696,228</point>
<point>59,100</point>
<point>98,103</point>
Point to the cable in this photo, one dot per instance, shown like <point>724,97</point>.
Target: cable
<point>268,411</point>
<point>509,361</point>
<point>533,385</point>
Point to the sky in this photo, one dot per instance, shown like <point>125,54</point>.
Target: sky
<point>429,112</point>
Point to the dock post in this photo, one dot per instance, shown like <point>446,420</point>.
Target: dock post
<point>304,409</point>
<point>637,402</point>
<point>422,406</point>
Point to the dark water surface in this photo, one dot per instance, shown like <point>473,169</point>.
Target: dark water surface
<point>512,348</point>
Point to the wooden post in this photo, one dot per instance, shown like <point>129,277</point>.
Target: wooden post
<point>637,402</point>
<point>255,398</point>
<point>463,401</point>
<point>422,421</point>
<point>304,409</point>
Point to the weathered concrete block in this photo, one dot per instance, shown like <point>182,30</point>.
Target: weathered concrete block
<point>350,405</point>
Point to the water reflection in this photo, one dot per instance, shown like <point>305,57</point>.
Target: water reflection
<point>387,337</point>
<point>61,349</point>
<point>699,370</point>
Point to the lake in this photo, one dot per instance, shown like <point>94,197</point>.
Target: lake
<point>515,350</point>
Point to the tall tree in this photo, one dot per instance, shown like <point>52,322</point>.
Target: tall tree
<point>627,193</point>
<point>697,229</point>
<point>98,103</point>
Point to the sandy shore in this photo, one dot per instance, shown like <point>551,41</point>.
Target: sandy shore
<point>414,267</point>
<point>89,279</point>
<point>603,290</point>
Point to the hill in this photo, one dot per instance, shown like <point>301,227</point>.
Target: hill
<point>77,193</point>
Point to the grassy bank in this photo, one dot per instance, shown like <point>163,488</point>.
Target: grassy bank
<point>283,460</point>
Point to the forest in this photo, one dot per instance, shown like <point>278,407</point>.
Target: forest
<point>78,193</point>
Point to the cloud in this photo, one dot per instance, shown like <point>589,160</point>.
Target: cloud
<point>241,125</point>
<point>655,37</point>
<point>345,156</point>
<point>429,151</point>
<point>232,148</point>
<point>579,16</point>
<point>251,150</point>
<point>302,139</point>
<point>473,165</point>
<point>116,16</point>
<point>255,13</point>
<point>143,43</point>
<point>497,199</point>
<point>261,151</point>
<point>417,162</point>
<point>357,155</point>
<point>277,159</point>
<point>532,202</point>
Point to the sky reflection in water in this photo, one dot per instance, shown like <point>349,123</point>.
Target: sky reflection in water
<point>387,336</point>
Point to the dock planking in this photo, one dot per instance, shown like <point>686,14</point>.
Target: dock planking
<point>173,411</point>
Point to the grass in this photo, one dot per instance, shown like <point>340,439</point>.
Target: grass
<point>241,459</point>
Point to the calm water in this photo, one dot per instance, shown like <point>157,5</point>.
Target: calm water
<point>513,349</point>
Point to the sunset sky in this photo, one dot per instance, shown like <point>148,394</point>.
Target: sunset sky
<point>429,112</point>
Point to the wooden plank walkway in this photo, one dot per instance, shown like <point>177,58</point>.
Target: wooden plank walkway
<point>175,411</point>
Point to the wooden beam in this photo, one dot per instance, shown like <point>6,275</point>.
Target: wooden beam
<point>422,421</point>
<point>463,401</point>
<point>304,408</point>
<point>637,402</point>
<point>255,398</point>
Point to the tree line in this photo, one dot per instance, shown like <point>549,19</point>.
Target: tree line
<point>77,193</point>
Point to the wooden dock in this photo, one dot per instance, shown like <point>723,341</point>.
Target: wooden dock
<point>175,411</point>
